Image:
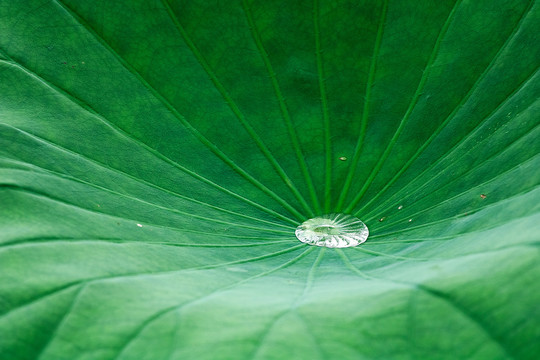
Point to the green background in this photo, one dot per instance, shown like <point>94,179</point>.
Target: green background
<point>157,156</point>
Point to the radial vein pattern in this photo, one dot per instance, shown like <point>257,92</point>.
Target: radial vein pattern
<point>157,156</point>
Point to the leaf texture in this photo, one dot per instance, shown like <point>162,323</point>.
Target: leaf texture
<point>156,157</point>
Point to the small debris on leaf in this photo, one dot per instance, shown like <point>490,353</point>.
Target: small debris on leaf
<point>382,219</point>
<point>483,196</point>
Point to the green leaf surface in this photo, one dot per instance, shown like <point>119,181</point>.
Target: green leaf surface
<point>157,156</point>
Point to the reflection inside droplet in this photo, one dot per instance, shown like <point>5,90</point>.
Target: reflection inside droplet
<point>333,230</point>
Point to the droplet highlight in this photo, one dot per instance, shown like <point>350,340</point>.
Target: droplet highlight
<point>333,231</point>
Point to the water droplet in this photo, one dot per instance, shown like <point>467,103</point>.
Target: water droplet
<point>410,220</point>
<point>343,158</point>
<point>333,231</point>
<point>400,207</point>
<point>139,225</point>
<point>382,219</point>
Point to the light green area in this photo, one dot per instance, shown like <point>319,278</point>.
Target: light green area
<point>157,156</point>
